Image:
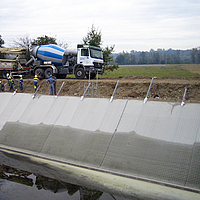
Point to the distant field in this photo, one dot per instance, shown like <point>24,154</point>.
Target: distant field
<point>181,70</point>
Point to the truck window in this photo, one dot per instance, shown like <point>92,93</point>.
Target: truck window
<point>96,53</point>
<point>84,52</point>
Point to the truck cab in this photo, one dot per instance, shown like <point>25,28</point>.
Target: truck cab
<point>89,61</point>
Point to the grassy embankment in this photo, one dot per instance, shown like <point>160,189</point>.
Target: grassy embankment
<point>186,70</point>
<point>179,70</point>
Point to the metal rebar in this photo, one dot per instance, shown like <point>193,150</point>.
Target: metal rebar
<point>183,101</point>
<point>60,89</point>
<point>146,98</point>
<point>36,92</point>
<point>82,97</point>
<point>111,99</point>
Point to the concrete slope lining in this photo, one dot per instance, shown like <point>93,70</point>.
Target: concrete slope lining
<point>157,140</point>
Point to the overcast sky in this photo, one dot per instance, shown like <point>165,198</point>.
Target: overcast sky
<point>128,24</point>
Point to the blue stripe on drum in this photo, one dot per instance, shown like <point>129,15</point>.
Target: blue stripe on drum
<point>52,53</point>
<point>49,55</point>
<point>53,46</point>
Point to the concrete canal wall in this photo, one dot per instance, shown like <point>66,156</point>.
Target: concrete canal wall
<point>157,141</point>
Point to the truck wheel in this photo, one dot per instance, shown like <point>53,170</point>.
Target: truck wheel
<point>40,73</point>
<point>80,73</point>
<point>48,72</point>
<point>3,73</point>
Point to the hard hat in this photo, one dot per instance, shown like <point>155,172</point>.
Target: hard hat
<point>50,75</point>
<point>20,75</point>
<point>35,76</point>
<point>0,81</point>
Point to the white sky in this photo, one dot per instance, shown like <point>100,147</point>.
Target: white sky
<point>128,24</point>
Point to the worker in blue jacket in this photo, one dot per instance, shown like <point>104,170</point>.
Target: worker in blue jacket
<point>51,82</point>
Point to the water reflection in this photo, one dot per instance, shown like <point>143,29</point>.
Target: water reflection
<point>54,186</point>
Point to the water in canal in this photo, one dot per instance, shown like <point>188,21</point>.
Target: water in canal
<point>17,184</point>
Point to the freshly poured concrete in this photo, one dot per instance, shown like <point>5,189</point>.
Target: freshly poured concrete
<point>156,141</point>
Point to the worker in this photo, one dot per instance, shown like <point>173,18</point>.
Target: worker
<point>54,84</point>
<point>21,83</point>
<point>8,76</point>
<point>2,87</point>
<point>35,82</point>
<point>11,83</point>
<point>40,75</point>
<point>51,82</point>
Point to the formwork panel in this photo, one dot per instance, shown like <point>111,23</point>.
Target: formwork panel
<point>4,99</point>
<point>22,103</point>
<point>28,114</point>
<point>89,114</point>
<point>113,115</point>
<point>130,116</point>
<point>40,111</point>
<point>9,109</point>
<point>188,124</point>
<point>55,110</point>
<point>68,111</point>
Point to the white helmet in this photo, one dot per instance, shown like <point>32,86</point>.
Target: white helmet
<point>35,76</point>
<point>20,75</point>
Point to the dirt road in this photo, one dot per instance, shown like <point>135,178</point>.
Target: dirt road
<point>167,89</point>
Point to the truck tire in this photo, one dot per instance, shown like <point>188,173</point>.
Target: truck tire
<point>41,72</point>
<point>3,73</point>
<point>48,72</point>
<point>80,73</point>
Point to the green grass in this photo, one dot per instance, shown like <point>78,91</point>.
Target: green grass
<point>158,71</point>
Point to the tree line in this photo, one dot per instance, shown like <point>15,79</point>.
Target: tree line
<point>160,56</point>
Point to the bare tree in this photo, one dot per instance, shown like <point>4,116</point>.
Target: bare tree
<point>24,41</point>
<point>63,44</point>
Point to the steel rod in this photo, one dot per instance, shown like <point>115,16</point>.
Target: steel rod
<point>183,101</point>
<point>36,92</point>
<point>111,99</point>
<point>60,89</point>
<point>82,97</point>
<point>146,98</point>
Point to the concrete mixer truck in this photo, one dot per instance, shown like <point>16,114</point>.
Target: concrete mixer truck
<point>14,62</point>
<point>86,61</point>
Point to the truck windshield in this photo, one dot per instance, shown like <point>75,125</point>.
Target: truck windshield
<point>96,53</point>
